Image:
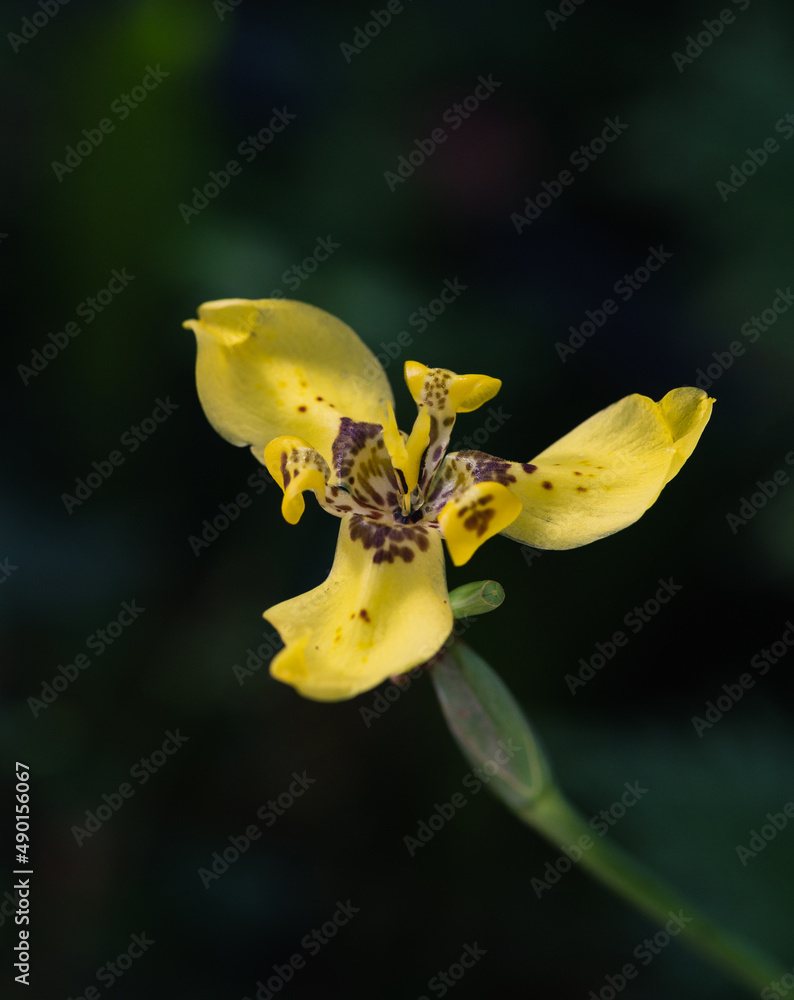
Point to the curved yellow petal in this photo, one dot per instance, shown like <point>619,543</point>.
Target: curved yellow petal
<point>602,476</point>
<point>383,610</point>
<point>475,515</point>
<point>272,367</point>
<point>443,394</point>
<point>441,389</point>
<point>296,466</point>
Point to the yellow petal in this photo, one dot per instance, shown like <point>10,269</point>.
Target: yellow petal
<point>441,389</point>
<point>443,394</point>
<point>406,455</point>
<point>296,466</point>
<point>602,476</point>
<point>475,515</point>
<point>273,367</point>
<point>686,412</point>
<point>383,610</point>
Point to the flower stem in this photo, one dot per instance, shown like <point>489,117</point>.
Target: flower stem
<point>491,729</point>
<point>556,819</point>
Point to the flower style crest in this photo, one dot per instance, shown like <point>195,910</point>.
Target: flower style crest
<point>299,387</point>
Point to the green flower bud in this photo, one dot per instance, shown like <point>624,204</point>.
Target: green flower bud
<point>476,598</point>
<point>489,727</point>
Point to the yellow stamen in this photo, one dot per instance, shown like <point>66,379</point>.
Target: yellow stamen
<point>406,456</point>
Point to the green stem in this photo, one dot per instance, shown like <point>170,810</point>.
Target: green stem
<point>555,818</point>
<point>490,728</point>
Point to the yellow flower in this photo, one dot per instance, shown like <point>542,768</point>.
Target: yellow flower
<point>299,387</point>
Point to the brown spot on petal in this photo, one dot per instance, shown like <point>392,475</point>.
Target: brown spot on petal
<point>479,521</point>
<point>390,542</point>
<point>547,485</point>
<point>529,468</point>
<point>302,409</point>
<point>581,489</point>
<point>577,473</point>
<point>364,614</point>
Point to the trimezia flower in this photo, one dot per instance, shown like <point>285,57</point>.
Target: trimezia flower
<point>299,387</point>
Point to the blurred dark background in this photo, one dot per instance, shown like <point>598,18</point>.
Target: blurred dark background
<point>218,74</point>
